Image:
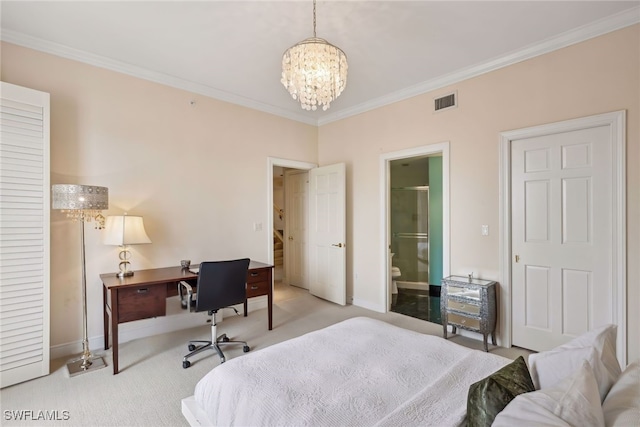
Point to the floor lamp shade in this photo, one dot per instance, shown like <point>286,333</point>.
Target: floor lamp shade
<point>83,203</point>
<point>125,230</point>
<point>79,197</point>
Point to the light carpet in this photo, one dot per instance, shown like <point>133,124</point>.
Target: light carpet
<point>152,382</point>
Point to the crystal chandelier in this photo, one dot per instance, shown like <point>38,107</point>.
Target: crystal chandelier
<point>314,71</point>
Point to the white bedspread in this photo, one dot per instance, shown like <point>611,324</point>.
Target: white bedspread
<point>359,372</point>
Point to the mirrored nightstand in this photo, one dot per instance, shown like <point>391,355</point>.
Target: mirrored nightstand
<point>470,304</point>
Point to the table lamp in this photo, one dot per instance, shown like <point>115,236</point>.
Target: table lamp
<point>124,230</point>
<point>82,203</point>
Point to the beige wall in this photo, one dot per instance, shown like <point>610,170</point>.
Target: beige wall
<point>198,175</point>
<point>596,76</point>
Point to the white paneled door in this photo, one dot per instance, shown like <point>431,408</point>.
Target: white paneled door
<point>562,273</point>
<point>296,190</point>
<point>327,233</point>
<point>24,234</point>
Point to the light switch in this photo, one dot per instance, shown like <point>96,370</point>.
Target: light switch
<point>257,226</point>
<point>485,230</point>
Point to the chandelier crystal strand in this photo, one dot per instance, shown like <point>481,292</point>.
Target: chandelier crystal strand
<point>314,71</point>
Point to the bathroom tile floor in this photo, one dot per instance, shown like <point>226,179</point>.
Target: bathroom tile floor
<point>418,304</point>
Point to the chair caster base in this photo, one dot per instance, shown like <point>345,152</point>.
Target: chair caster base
<point>246,349</point>
<point>185,364</point>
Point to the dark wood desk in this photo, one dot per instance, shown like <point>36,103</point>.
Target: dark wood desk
<point>144,295</point>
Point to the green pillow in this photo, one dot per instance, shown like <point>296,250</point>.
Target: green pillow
<point>489,396</point>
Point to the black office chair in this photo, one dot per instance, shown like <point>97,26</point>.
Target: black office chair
<point>221,284</point>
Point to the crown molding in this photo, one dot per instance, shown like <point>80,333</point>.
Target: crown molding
<point>606,25</point>
<point>63,51</point>
<point>603,26</point>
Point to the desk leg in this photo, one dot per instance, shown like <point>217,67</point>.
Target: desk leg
<point>245,307</point>
<point>114,330</point>
<point>114,351</point>
<point>106,318</point>
<point>270,307</point>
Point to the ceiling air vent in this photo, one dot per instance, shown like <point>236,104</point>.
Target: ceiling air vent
<point>444,102</point>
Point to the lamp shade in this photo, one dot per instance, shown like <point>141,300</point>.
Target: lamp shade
<point>79,197</point>
<point>122,230</point>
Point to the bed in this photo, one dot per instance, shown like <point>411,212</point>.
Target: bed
<point>359,372</point>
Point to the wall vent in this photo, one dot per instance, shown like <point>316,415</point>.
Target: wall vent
<point>445,102</point>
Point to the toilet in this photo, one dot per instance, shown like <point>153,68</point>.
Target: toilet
<point>395,274</point>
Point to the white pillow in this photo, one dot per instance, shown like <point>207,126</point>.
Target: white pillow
<point>597,346</point>
<point>621,407</point>
<point>575,401</point>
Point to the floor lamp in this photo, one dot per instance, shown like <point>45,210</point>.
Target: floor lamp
<point>82,203</point>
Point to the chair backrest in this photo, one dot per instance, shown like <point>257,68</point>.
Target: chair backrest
<point>221,284</point>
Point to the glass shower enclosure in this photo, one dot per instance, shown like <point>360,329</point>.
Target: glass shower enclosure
<point>410,235</point>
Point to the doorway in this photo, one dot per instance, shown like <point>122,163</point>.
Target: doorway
<point>326,253</point>
<point>281,253</point>
<point>411,237</point>
<point>416,231</point>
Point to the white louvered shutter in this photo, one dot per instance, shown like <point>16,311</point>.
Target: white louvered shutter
<point>24,234</point>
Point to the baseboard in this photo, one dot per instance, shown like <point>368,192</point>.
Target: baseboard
<point>369,305</point>
<point>421,286</point>
<point>175,320</point>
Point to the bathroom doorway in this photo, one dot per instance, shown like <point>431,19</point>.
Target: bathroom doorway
<point>416,188</point>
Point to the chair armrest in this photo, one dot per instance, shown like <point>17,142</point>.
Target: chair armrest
<point>186,303</point>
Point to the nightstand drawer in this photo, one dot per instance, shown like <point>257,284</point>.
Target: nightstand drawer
<point>141,302</point>
<point>464,292</point>
<point>456,319</point>
<point>255,289</point>
<point>463,306</point>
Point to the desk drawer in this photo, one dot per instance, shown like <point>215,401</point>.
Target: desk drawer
<point>463,321</point>
<point>258,276</point>
<point>141,302</point>
<point>255,289</point>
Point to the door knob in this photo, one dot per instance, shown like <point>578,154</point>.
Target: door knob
<point>290,237</point>
<point>517,258</point>
<point>339,245</point>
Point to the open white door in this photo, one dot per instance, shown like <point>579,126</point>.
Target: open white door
<point>327,233</point>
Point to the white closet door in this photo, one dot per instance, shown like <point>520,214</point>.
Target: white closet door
<point>24,234</point>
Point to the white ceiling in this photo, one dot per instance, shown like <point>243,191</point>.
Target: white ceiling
<point>232,50</point>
